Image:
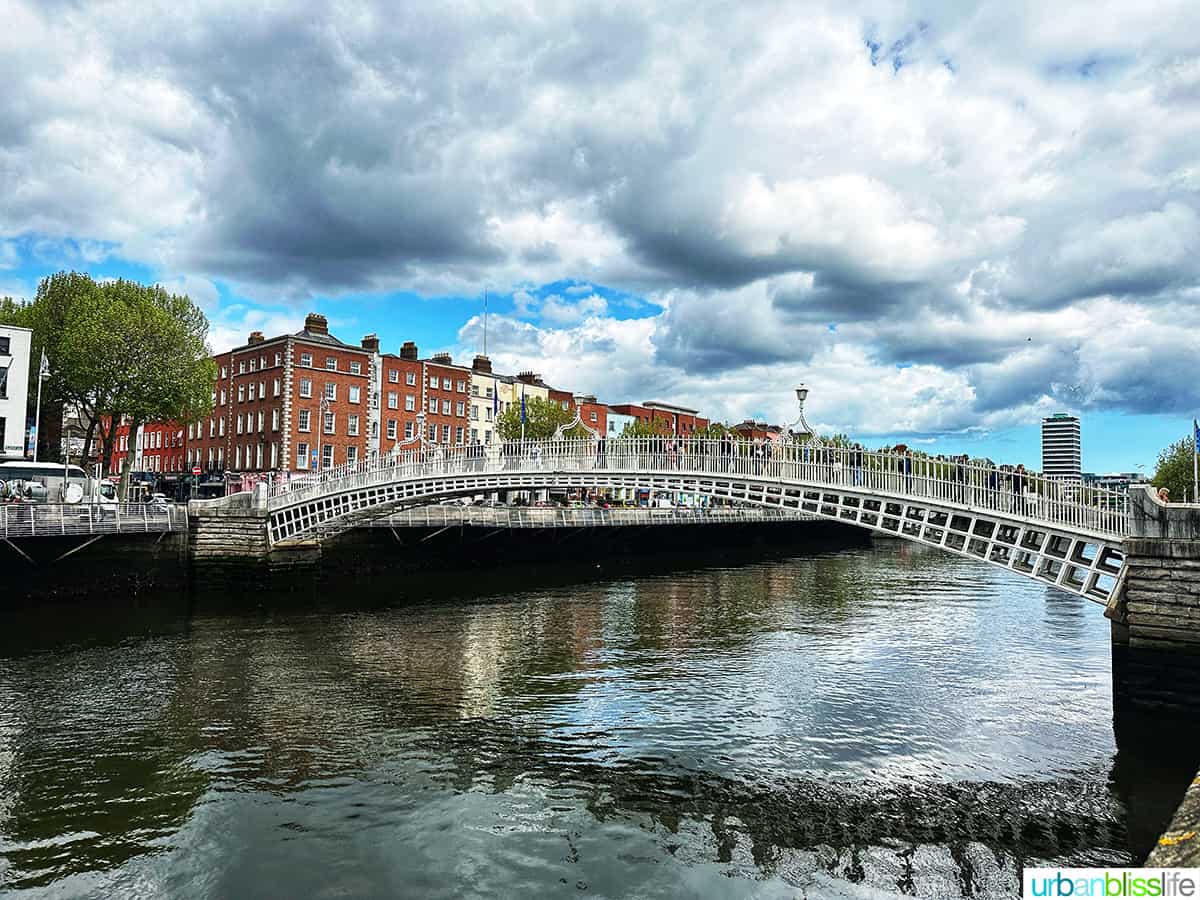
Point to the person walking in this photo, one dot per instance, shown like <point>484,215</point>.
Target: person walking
<point>1018,489</point>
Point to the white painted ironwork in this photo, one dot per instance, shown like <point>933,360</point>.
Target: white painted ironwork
<point>1065,534</point>
<point>575,517</point>
<point>25,520</point>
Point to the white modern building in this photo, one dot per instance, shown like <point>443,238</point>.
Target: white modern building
<point>14,389</point>
<point>1061,457</point>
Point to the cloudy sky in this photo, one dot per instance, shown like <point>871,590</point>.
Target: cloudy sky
<point>948,220</point>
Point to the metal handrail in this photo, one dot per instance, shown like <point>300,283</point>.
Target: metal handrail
<point>574,517</point>
<point>1028,496</point>
<point>23,520</point>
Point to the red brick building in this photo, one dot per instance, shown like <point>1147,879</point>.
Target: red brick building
<point>433,394</point>
<point>161,447</point>
<point>678,420</point>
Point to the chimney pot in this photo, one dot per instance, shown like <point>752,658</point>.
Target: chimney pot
<point>371,342</point>
<point>316,323</point>
<point>408,350</point>
<point>482,364</point>
<point>256,337</point>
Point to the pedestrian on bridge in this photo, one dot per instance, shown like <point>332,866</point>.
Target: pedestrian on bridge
<point>1018,489</point>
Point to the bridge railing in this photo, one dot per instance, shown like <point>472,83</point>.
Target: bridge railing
<point>970,485</point>
<point>22,520</point>
<point>552,517</point>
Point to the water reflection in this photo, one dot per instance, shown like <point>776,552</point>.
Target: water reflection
<point>886,716</point>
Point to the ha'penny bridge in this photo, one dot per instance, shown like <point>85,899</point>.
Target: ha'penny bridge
<point>1127,552</point>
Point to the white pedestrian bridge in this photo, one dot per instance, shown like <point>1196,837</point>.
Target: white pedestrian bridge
<point>1062,534</point>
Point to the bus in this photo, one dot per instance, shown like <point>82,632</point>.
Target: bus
<point>46,482</point>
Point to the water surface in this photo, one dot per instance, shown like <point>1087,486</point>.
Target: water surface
<point>863,723</point>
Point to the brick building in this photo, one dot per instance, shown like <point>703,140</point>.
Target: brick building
<point>161,447</point>
<point>677,420</point>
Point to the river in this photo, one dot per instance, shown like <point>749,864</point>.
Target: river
<point>865,722</point>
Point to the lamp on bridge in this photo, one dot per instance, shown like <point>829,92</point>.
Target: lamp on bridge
<point>800,430</point>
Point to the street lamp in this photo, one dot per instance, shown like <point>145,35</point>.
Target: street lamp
<point>806,430</point>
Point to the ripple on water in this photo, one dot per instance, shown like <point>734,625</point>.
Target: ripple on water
<point>854,724</point>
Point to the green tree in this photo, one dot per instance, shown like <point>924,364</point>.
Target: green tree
<point>637,429</point>
<point>542,419</point>
<point>1174,469</point>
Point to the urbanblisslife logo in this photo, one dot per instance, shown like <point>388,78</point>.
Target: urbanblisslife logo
<point>1055,882</point>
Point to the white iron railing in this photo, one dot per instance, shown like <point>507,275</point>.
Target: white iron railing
<point>1028,496</point>
<point>22,520</point>
<point>574,517</point>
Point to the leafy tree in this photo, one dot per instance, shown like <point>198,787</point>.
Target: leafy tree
<point>713,430</point>
<point>542,419</point>
<point>637,429</point>
<point>1174,469</point>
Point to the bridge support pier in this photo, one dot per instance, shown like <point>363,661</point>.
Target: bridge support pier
<point>1156,615</point>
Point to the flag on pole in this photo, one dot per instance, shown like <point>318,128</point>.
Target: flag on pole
<point>522,406</point>
<point>44,369</point>
<point>495,400</point>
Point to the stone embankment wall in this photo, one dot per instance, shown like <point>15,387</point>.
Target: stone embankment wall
<point>1160,605</point>
<point>1179,846</point>
<point>230,529</point>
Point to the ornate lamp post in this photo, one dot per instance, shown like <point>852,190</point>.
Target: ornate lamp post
<point>805,431</point>
<point>322,408</point>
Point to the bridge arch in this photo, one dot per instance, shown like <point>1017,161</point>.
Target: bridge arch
<point>1070,545</point>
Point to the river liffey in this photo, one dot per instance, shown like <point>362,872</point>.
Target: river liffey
<point>868,722</point>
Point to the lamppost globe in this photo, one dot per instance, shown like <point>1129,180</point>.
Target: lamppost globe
<point>801,395</point>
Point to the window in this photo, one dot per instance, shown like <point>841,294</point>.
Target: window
<point>459,409</point>
<point>302,455</point>
<point>327,456</point>
<point>592,415</point>
<point>487,414</point>
<point>433,404</point>
<point>239,423</point>
<point>274,420</point>
<point>391,429</point>
<point>330,423</point>
<point>274,456</point>
<point>445,434</point>
<point>352,425</point>
<point>446,383</point>
<point>241,393</point>
<point>275,387</point>
<point>222,396</point>
<point>251,369</point>
<point>306,360</point>
<point>257,456</point>
<point>224,372</point>
<point>237,456</point>
<point>566,405</point>
<point>242,367</point>
<point>221,426</point>
<point>351,454</point>
<point>410,378</point>
<point>410,402</point>
<point>278,358</point>
<point>474,413</point>
<point>462,387</point>
<point>260,421</point>
<point>355,393</point>
<point>474,390</point>
<point>305,387</point>
<point>433,432</point>
<point>394,376</point>
<point>489,393</point>
<point>331,390</point>
<point>262,390</point>
<point>458,435</point>
<point>302,422</point>
<point>355,368</point>
<point>262,363</point>
<point>392,400</point>
<point>189,432</point>
<point>5,346</point>
<point>408,431</point>
<point>250,393</point>
<point>474,435</point>
<point>445,407</point>
<point>331,363</point>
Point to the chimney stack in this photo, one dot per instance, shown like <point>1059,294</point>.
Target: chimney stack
<point>482,365</point>
<point>316,323</point>
<point>256,337</point>
<point>408,350</point>
<point>529,377</point>
<point>371,342</point>
<point>443,358</point>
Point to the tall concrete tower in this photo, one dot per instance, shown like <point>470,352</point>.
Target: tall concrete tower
<point>1061,456</point>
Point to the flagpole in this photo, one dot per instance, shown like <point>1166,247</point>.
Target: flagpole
<point>37,416</point>
<point>1195,469</point>
<point>485,321</point>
